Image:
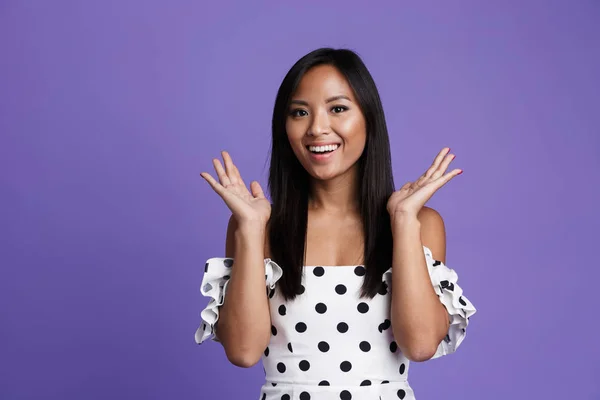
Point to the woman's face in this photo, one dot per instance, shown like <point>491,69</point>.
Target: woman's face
<point>325,126</point>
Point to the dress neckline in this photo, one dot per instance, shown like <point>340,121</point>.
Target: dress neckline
<point>333,266</point>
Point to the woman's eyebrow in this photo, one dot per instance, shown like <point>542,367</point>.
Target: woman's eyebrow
<point>329,100</point>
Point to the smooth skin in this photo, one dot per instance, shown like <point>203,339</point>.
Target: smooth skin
<point>324,110</point>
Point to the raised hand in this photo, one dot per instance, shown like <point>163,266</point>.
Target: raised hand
<point>246,205</point>
<point>412,196</point>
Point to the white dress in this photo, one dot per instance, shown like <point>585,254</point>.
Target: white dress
<point>328,343</point>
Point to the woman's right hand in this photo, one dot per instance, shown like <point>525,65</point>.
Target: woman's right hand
<point>247,206</point>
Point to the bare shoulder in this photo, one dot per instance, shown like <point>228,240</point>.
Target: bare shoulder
<point>230,239</point>
<point>433,232</point>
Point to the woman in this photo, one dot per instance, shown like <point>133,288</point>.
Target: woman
<point>356,285</point>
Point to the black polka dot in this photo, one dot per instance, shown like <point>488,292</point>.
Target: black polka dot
<point>461,301</point>
<point>436,263</point>
<point>273,330</point>
<point>207,287</point>
<point>365,383</point>
<point>267,352</point>
<point>271,293</point>
<point>362,307</point>
<point>385,325</point>
<point>228,263</point>
<point>226,277</point>
<point>282,309</point>
<point>402,368</point>
<point>273,384</point>
<point>323,383</point>
<point>365,346</point>
<point>302,289</point>
<point>346,366</point>
<point>345,395</point>
<point>300,327</point>
<point>290,347</point>
<point>323,346</point>
<point>321,308</point>
<point>384,382</point>
<point>319,271</point>
<point>383,289</point>
<point>264,396</point>
<point>205,267</point>
<point>340,289</point>
<point>359,271</point>
<point>393,347</point>
<point>304,365</point>
<point>285,397</point>
<point>401,394</point>
<point>342,327</point>
<point>304,396</point>
<point>447,285</point>
<point>281,367</point>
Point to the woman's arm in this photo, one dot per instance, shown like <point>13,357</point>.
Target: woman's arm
<point>419,320</point>
<point>245,323</point>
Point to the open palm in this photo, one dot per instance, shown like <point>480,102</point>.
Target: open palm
<point>246,205</point>
<point>412,196</point>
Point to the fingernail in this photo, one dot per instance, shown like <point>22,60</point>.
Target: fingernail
<point>461,171</point>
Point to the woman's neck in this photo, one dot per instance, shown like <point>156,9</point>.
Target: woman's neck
<point>337,195</point>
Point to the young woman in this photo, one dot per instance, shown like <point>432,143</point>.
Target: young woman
<point>356,285</point>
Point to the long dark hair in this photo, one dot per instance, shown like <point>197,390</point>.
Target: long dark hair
<point>289,181</point>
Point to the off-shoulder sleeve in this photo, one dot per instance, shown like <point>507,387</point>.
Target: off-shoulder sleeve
<point>214,285</point>
<point>460,309</point>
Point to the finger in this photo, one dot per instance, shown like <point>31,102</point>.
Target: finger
<point>437,161</point>
<point>257,191</point>
<point>229,167</point>
<point>212,182</point>
<point>239,176</point>
<point>423,179</point>
<point>406,186</point>
<point>233,172</point>
<point>443,166</point>
<point>446,178</point>
<point>221,173</point>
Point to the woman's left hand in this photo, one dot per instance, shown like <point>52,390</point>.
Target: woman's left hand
<point>408,201</point>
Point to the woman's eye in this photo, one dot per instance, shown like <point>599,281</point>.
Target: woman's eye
<point>298,113</point>
<point>339,109</point>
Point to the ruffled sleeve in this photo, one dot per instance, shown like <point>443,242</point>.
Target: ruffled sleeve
<point>214,285</point>
<point>460,309</point>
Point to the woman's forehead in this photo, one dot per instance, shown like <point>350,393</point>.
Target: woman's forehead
<point>321,83</point>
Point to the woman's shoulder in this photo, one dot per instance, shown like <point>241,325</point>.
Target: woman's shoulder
<point>433,232</point>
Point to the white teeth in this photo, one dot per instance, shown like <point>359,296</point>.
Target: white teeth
<point>322,149</point>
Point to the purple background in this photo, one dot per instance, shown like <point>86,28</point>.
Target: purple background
<point>110,110</point>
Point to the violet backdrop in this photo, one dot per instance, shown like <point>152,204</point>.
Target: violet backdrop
<point>110,110</point>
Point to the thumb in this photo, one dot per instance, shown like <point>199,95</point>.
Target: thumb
<point>257,191</point>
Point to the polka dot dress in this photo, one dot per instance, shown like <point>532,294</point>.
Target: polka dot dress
<point>329,343</point>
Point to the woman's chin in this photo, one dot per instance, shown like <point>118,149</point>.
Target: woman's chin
<point>326,174</point>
